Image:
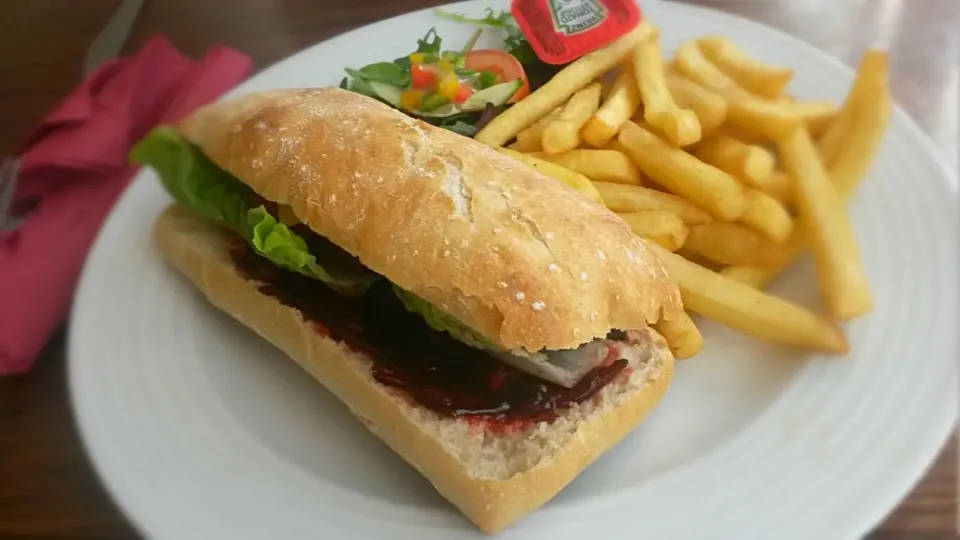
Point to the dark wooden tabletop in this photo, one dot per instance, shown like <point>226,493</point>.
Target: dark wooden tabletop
<point>47,488</point>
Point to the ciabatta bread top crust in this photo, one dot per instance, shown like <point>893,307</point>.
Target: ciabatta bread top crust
<point>516,255</point>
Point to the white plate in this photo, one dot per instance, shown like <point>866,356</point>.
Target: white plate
<point>201,430</point>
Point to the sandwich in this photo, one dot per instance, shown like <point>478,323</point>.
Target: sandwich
<point>488,323</point>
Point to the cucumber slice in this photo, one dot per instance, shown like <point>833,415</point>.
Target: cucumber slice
<point>393,94</point>
<point>497,94</point>
<point>387,92</point>
<point>444,110</point>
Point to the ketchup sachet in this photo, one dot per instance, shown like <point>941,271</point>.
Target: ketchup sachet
<point>561,31</point>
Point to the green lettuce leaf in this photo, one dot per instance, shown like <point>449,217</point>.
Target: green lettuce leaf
<point>283,247</point>
<point>442,321</point>
<point>514,42</point>
<point>194,181</point>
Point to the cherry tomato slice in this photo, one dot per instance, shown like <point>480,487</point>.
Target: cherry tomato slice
<point>503,64</point>
<point>422,76</point>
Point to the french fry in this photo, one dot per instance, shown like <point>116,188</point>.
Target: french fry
<point>614,144</point>
<point>762,79</point>
<point>751,164</point>
<point>766,215</point>
<point>575,180</point>
<point>842,277</point>
<point>765,118</point>
<point>563,132</point>
<point>704,185</point>
<point>695,257</point>
<point>788,252</point>
<point>731,244</point>
<point>777,184</point>
<point>624,198</point>
<point>682,335</point>
<point>866,113</point>
<point>872,75</point>
<point>564,84</point>
<point>710,108</point>
<point>623,101</point>
<point>747,309</point>
<point>682,127</point>
<point>606,85</point>
<point>780,187</point>
<point>867,127</point>
<point>817,115</point>
<point>830,144</point>
<point>531,139</point>
<point>664,228</point>
<point>758,277</point>
<point>743,135</point>
<point>597,165</point>
<point>862,136</point>
<point>692,64</point>
<point>761,117</point>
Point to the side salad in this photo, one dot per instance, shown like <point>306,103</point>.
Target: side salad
<point>460,90</point>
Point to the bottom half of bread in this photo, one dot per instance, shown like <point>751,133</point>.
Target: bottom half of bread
<point>493,477</point>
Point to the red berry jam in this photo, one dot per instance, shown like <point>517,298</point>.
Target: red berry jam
<point>432,368</point>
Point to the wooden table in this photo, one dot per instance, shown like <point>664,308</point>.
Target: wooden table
<point>47,488</point>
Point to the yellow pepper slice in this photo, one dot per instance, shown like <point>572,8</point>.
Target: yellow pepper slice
<point>448,86</point>
<point>444,65</point>
<point>411,99</point>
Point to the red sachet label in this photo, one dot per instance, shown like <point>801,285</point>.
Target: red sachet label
<point>561,31</point>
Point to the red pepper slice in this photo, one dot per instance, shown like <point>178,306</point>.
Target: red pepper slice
<point>423,76</point>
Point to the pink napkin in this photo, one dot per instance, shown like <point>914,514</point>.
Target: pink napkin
<point>72,171</point>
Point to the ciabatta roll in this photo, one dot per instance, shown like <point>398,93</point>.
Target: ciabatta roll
<point>488,323</point>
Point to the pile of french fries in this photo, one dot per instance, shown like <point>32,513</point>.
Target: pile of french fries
<point>728,178</point>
